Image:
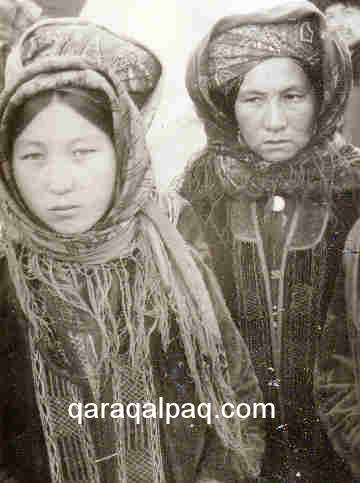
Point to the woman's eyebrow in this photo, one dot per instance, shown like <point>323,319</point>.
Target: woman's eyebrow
<point>259,92</point>
<point>92,137</point>
<point>296,88</point>
<point>246,92</point>
<point>22,143</point>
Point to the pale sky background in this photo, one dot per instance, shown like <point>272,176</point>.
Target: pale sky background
<point>172,28</point>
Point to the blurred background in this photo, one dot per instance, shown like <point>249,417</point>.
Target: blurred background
<point>172,28</point>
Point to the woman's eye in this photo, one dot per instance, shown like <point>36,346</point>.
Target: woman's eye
<point>253,100</point>
<point>32,156</point>
<point>294,97</point>
<point>78,153</point>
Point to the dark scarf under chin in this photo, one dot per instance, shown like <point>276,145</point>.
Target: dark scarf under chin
<point>317,172</point>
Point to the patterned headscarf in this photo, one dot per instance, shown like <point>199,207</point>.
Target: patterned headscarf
<point>234,46</point>
<point>128,276</point>
<point>236,51</point>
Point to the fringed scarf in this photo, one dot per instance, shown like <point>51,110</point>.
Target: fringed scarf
<point>93,301</point>
<point>226,166</point>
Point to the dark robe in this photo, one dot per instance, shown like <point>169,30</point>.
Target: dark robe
<point>278,284</point>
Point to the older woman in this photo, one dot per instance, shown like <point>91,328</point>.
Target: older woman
<point>274,186</point>
<point>102,302</point>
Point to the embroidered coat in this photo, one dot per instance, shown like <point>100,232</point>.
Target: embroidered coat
<point>280,312</point>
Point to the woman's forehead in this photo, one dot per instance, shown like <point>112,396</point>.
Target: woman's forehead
<point>289,74</point>
<point>58,122</point>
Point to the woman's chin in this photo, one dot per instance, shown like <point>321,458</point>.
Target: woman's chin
<point>278,154</point>
<point>70,229</point>
<point>277,158</point>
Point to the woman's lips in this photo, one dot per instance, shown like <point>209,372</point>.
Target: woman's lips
<point>66,211</point>
<point>63,208</point>
<point>280,141</point>
<point>276,145</point>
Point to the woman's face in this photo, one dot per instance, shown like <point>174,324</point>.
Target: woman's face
<point>345,19</point>
<point>65,169</point>
<point>275,109</point>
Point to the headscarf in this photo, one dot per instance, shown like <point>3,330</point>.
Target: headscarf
<point>69,286</point>
<point>234,46</point>
<point>15,17</point>
<point>234,52</point>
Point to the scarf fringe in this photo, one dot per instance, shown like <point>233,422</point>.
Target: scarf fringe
<point>318,171</point>
<point>150,296</point>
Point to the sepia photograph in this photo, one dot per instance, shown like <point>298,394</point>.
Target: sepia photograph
<point>179,241</point>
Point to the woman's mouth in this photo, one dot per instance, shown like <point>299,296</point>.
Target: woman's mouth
<point>64,211</point>
<point>61,208</point>
<point>276,141</point>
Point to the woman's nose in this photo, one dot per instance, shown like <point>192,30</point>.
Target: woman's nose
<point>59,178</point>
<point>274,116</point>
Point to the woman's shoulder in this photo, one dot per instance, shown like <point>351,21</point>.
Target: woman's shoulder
<point>188,223</point>
<point>179,210</point>
<point>173,205</point>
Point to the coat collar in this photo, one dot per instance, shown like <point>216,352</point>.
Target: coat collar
<point>312,219</point>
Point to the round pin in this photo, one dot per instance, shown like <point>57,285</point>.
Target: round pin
<point>278,203</point>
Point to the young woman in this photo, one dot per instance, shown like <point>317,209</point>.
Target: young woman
<point>274,186</point>
<point>102,301</point>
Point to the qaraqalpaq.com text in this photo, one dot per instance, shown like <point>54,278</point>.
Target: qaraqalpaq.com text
<point>168,411</point>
